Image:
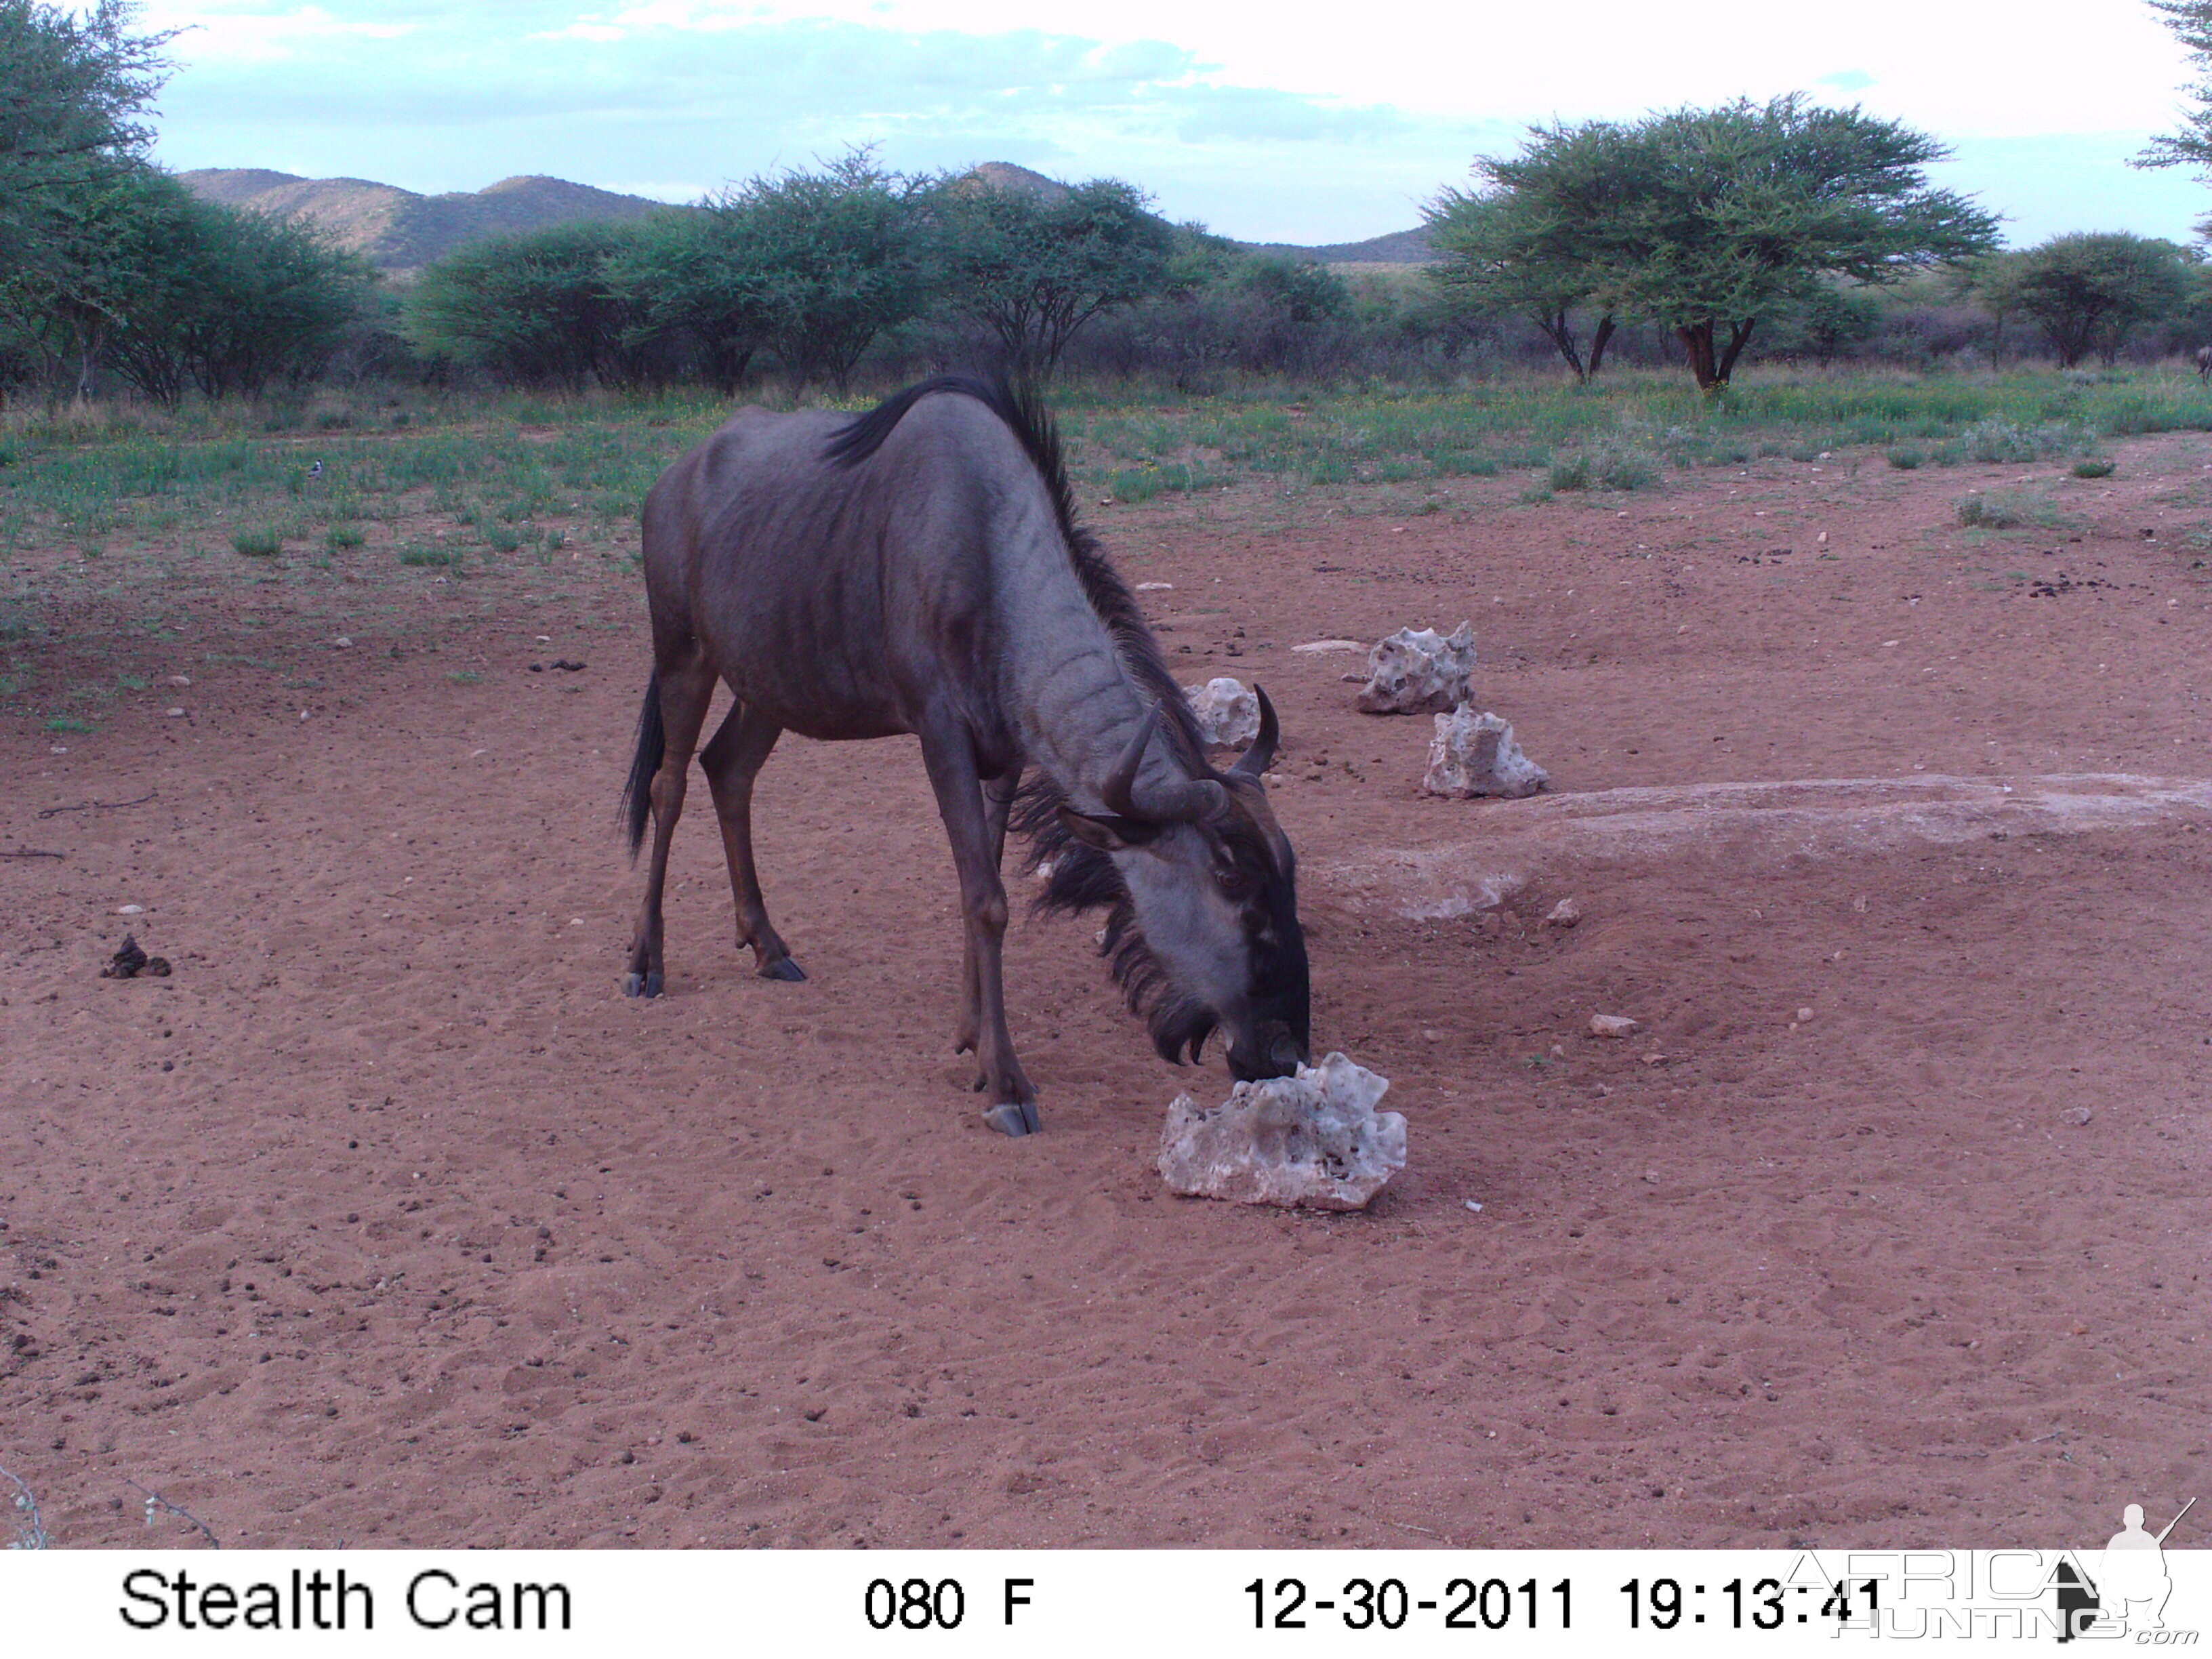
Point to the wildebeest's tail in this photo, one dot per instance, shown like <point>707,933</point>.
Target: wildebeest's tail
<point>652,741</point>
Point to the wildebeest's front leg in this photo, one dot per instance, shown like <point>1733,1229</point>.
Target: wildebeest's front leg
<point>950,754</point>
<point>997,800</point>
<point>732,761</point>
<point>687,687</point>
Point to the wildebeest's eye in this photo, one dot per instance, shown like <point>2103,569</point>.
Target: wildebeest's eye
<point>1234,881</point>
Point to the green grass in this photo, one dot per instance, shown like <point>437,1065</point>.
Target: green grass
<point>68,723</point>
<point>2013,509</point>
<point>1142,484</point>
<point>1384,436</point>
<point>120,476</point>
<point>2093,469</point>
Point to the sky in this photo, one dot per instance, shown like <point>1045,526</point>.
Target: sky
<point>1287,122</point>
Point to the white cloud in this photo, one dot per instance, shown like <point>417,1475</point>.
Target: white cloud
<point>1320,126</point>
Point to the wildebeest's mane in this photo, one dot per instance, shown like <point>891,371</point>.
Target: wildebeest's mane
<point>1025,416</point>
<point>1083,878</point>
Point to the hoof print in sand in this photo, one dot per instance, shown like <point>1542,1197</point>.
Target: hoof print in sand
<point>1312,1141</point>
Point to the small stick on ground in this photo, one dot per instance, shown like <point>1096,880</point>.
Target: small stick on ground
<point>98,806</point>
<point>34,853</point>
<point>155,1500</point>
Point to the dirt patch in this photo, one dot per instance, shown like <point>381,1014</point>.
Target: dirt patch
<point>385,1219</point>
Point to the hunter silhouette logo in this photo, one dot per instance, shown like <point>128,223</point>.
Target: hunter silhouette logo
<point>2130,1587</point>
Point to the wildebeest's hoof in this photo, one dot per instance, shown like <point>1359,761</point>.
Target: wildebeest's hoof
<point>1014,1117</point>
<point>782,968</point>
<point>641,985</point>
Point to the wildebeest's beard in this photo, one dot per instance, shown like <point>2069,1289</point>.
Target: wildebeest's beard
<point>1272,992</point>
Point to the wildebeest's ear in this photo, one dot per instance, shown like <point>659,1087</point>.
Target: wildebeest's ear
<point>1109,832</point>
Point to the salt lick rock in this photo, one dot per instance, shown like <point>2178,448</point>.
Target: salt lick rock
<point>1313,1140</point>
<point>1228,714</point>
<point>1473,754</point>
<point>1417,673</point>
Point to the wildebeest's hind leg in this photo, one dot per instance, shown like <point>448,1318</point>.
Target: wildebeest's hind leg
<point>998,799</point>
<point>732,760</point>
<point>685,689</point>
<point>948,753</point>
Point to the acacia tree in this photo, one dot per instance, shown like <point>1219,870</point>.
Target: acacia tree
<point>538,307</point>
<point>1531,243</point>
<point>1705,220</point>
<point>1990,280</point>
<point>2088,292</point>
<point>1035,270</point>
<point>72,86</point>
<point>841,258</point>
<point>71,89</point>
<point>696,284</point>
<point>2191,23</point>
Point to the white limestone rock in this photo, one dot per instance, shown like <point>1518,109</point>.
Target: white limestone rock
<point>1473,754</point>
<point>1418,672</point>
<point>1314,1140</point>
<point>1228,712</point>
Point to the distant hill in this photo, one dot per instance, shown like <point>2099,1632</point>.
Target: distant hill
<point>1399,247</point>
<point>398,230</point>
<point>1016,180</point>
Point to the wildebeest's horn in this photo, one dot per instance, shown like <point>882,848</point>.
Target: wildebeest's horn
<point>1254,761</point>
<point>1199,796</point>
<point>1116,790</point>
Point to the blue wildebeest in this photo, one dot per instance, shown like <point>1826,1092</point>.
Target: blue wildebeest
<point>919,568</point>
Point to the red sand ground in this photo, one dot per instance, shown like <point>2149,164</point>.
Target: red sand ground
<point>386,1220</point>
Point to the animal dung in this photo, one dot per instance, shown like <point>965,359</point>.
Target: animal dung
<point>130,962</point>
<point>1474,755</point>
<point>1313,1140</point>
<point>1418,672</point>
<point>1228,713</point>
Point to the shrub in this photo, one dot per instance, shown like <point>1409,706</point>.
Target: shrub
<point>2010,509</point>
<point>1626,469</point>
<point>257,543</point>
<point>538,308</point>
<point>1905,458</point>
<point>1607,466</point>
<point>2093,469</point>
